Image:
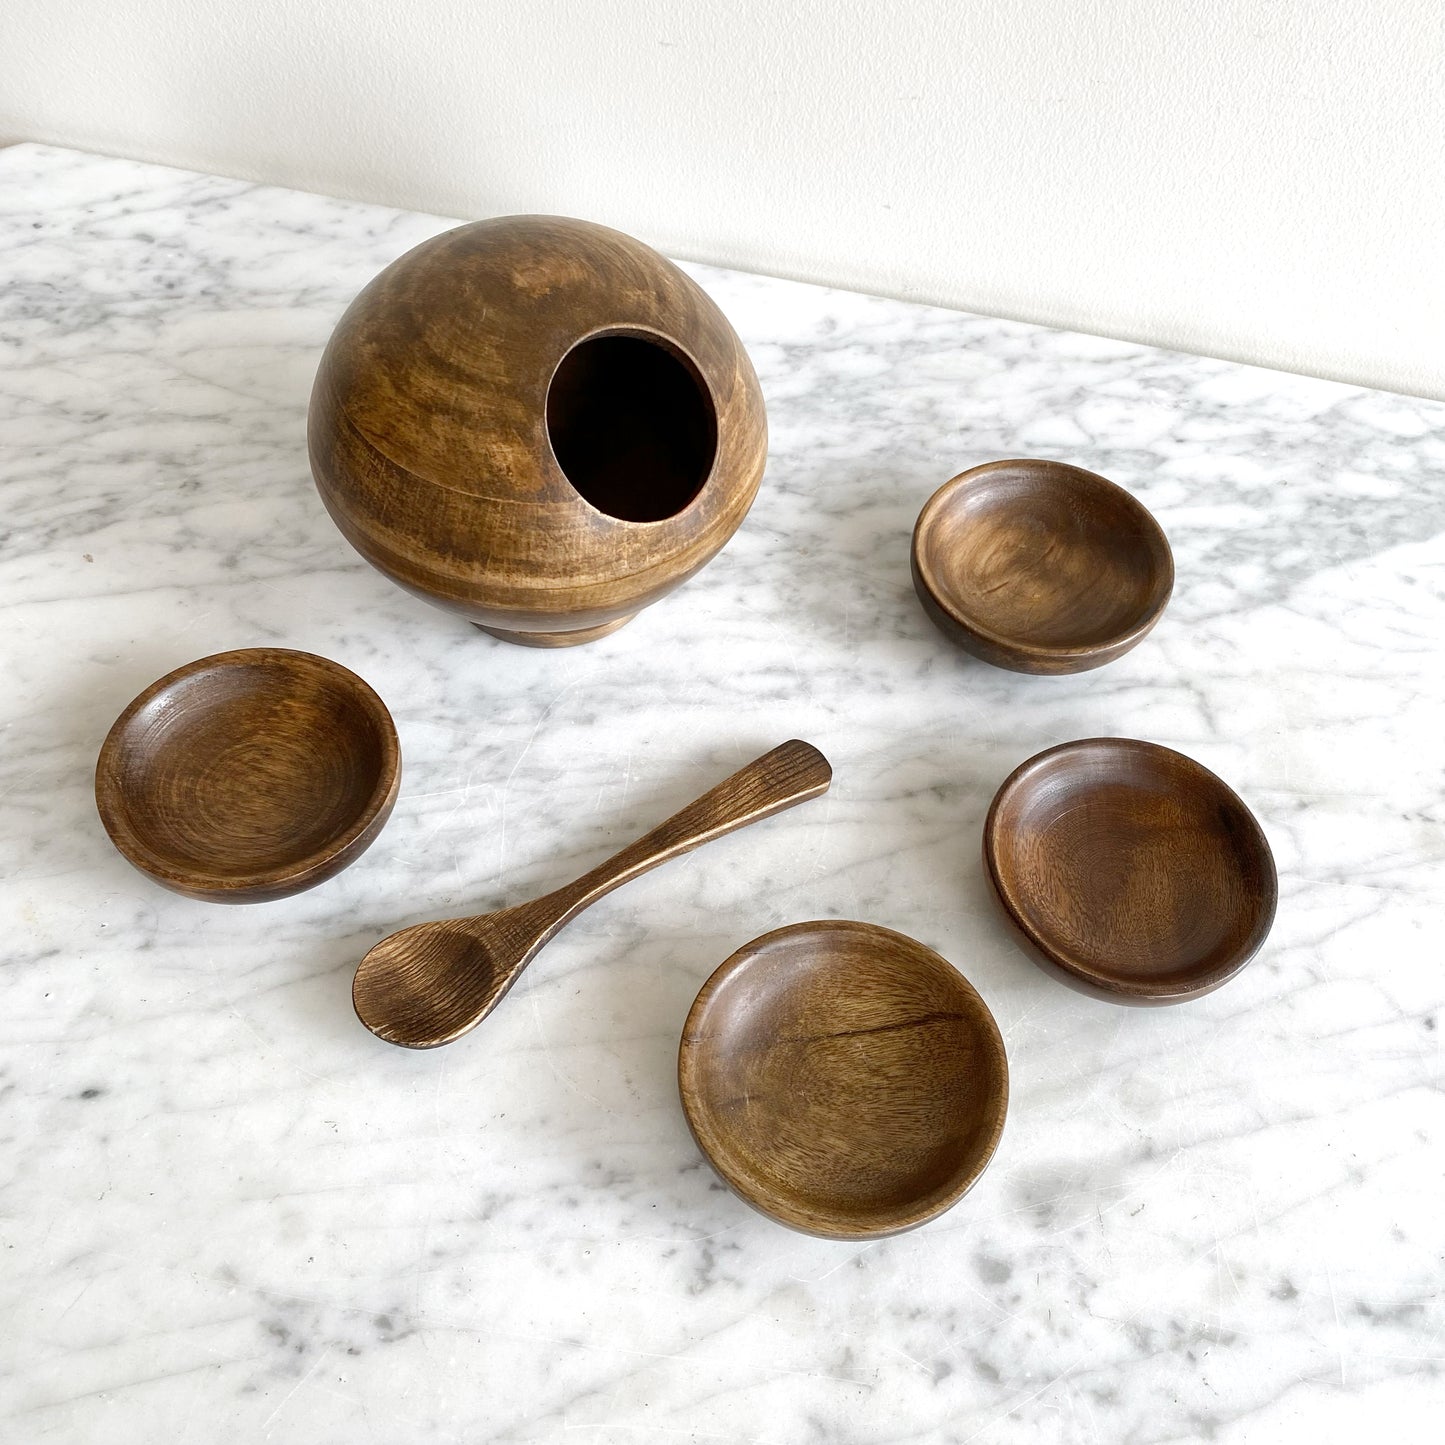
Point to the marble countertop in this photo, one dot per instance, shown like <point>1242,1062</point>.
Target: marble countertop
<point>229,1213</point>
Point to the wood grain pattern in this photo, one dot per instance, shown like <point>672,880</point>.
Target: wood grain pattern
<point>249,775</point>
<point>429,984</point>
<point>1130,871</point>
<point>1040,567</point>
<point>537,423</point>
<point>843,1079</point>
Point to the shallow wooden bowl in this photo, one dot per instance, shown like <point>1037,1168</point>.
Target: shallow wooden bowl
<point>539,424</point>
<point>1130,871</point>
<point>1040,567</point>
<point>249,775</point>
<point>843,1079</point>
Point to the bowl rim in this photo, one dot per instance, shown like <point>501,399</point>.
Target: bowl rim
<point>1096,980</point>
<point>113,800</point>
<point>1119,642</point>
<point>822,1223</point>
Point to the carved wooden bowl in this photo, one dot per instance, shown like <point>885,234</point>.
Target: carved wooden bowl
<point>539,424</point>
<point>1131,872</point>
<point>843,1079</point>
<point>1040,567</point>
<point>249,775</point>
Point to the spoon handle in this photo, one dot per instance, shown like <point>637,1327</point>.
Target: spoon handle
<point>791,773</point>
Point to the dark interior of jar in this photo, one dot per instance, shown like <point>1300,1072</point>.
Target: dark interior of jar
<point>632,426</point>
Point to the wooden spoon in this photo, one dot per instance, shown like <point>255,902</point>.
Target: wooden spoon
<point>430,983</point>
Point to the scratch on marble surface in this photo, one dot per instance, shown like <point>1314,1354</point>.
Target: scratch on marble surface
<point>106,1392</point>
<point>268,1048</point>
<point>297,1388</point>
<point>1339,1329</point>
<point>1014,1408</point>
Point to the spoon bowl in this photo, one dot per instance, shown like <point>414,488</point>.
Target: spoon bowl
<point>424,983</point>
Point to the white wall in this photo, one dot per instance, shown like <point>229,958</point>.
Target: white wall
<point>1262,179</point>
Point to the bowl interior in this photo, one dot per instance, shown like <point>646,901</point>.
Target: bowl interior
<point>248,764</point>
<point>1042,554</point>
<point>843,1079</point>
<point>1132,866</point>
<point>632,426</point>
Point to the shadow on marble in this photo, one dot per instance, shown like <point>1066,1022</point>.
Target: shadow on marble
<point>866,540</point>
<point>75,712</point>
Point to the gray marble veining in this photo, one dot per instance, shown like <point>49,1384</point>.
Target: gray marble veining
<point>229,1213</point>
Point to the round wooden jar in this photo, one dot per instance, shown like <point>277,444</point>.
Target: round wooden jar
<point>538,423</point>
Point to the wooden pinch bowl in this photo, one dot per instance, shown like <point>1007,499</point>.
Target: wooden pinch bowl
<point>1040,567</point>
<point>843,1079</point>
<point>539,424</point>
<point>1130,872</point>
<point>249,775</point>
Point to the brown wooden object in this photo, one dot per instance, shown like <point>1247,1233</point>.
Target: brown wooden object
<point>1040,567</point>
<point>538,423</point>
<point>249,775</point>
<point>1130,871</point>
<point>431,983</point>
<point>843,1079</point>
